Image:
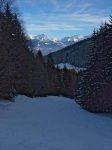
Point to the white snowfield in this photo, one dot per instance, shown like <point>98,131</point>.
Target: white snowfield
<point>52,123</point>
<point>69,66</point>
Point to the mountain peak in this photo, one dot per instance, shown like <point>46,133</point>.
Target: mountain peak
<point>55,39</point>
<point>41,37</point>
<point>74,38</point>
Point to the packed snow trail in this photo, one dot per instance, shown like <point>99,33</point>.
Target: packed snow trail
<point>52,123</point>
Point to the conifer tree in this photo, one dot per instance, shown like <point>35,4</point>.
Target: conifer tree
<point>84,90</point>
<point>20,71</point>
<point>95,90</point>
<point>50,61</point>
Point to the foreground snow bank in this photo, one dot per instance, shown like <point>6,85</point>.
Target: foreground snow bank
<point>52,123</point>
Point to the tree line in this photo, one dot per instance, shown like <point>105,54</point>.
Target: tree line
<point>95,87</point>
<point>20,71</point>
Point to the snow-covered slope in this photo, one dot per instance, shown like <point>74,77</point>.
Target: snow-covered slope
<point>69,66</point>
<point>52,123</point>
<point>47,45</point>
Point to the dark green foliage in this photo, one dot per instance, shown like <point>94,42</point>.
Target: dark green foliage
<point>95,88</point>
<point>68,82</point>
<point>50,61</point>
<point>20,71</point>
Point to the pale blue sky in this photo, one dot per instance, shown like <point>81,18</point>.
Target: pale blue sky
<point>59,18</point>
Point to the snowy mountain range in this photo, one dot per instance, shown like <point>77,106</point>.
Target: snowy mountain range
<point>47,45</point>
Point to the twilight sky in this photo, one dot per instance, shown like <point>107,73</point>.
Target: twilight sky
<point>59,18</point>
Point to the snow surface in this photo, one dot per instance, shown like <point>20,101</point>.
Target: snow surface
<point>52,123</point>
<point>69,66</point>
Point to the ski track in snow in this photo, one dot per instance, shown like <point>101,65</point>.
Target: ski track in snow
<point>52,123</point>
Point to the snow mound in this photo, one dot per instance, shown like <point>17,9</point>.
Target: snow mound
<point>52,123</point>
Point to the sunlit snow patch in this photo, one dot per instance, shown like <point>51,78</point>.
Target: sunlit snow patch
<point>69,66</point>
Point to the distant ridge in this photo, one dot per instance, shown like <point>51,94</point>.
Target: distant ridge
<point>46,45</point>
<point>76,54</point>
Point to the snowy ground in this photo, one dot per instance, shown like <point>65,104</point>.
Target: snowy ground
<point>52,123</point>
